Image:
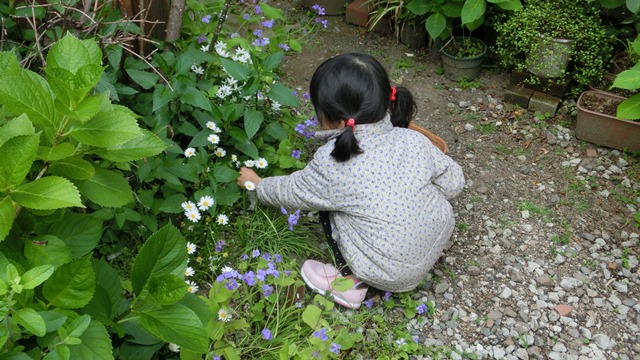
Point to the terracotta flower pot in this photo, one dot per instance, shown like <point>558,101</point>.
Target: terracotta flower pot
<point>604,129</point>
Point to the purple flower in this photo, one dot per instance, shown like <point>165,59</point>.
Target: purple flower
<point>255,253</point>
<point>206,19</point>
<point>324,22</point>
<point>267,290</point>
<point>267,23</point>
<point>261,42</point>
<point>319,9</point>
<point>216,357</point>
<point>245,257</point>
<point>296,154</point>
<point>416,339</point>
<point>266,256</point>
<point>220,245</point>
<point>258,10</point>
<point>300,128</point>
<point>266,334</point>
<point>284,47</point>
<point>220,278</point>
<point>422,308</point>
<point>335,348</point>
<point>387,296</point>
<point>321,334</point>
<point>202,38</point>
<point>306,96</point>
<point>249,278</point>
<point>231,284</point>
<point>316,354</point>
<point>246,16</point>
<point>283,211</point>
<point>368,303</point>
<point>257,32</point>
<point>262,273</point>
<point>287,272</point>
<point>234,35</point>
<point>293,219</point>
<point>277,258</point>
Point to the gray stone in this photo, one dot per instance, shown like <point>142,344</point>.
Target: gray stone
<point>441,287</point>
<point>602,341</point>
<point>473,270</point>
<point>522,354</point>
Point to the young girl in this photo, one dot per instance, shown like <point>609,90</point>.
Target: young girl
<point>382,191</point>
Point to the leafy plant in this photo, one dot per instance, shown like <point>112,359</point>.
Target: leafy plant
<point>464,47</point>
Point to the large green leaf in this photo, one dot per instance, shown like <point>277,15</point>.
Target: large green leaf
<point>47,193</point>
<point>8,64</point>
<point>20,151</point>
<point>54,319</point>
<point>177,324</point>
<point>167,288</point>
<point>96,344</point>
<point>47,250</point>
<point>243,144</point>
<point>252,121</point>
<point>36,276</point>
<point>435,25</point>
<point>633,6</point>
<point>224,174</point>
<point>161,96</point>
<point>419,7</point>
<point>283,95</point>
<point>276,131</point>
<point>272,61</point>
<point>227,195</point>
<point>72,285</point>
<point>73,168</point>
<point>237,70</point>
<point>629,109</point>
<point>628,79</point>
<point>70,54</point>
<point>514,5</point>
<point>611,4</point>
<point>16,127</point>
<point>271,12</point>
<point>28,93</point>
<point>145,79</point>
<point>165,252</point>
<point>58,152</point>
<point>31,321</point>
<point>146,145</point>
<point>107,188</point>
<point>7,212</point>
<point>107,128</point>
<point>108,296</point>
<point>473,10</point>
<point>195,97</point>
<point>80,232</point>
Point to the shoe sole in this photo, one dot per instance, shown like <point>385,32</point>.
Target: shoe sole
<point>335,297</point>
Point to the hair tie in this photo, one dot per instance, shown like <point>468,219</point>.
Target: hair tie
<point>393,93</point>
<point>352,123</point>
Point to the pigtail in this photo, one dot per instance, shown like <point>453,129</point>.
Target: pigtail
<point>403,108</point>
<point>346,145</point>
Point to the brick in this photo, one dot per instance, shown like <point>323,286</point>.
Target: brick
<point>544,85</point>
<point>544,103</point>
<point>358,13</point>
<point>517,95</point>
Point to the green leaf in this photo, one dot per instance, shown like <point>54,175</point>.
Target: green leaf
<point>611,4</point>
<point>87,109</point>
<point>36,276</point>
<point>512,5</point>
<point>629,109</point>
<point>145,79</point>
<point>58,152</point>
<point>176,324</point>
<point>31,320</point>
<point>283,95</point>
<point>161,96</point>
<point>167,288</point>
<point>272,61</point>
<point>28,93</point>
<point>195,98</point>
<point>435,24</point>
<point>73,168</point>
<point>237,70</point>
<point>419,7</point>
<point>453,9</point>
<point>473,10</point>
<point>165,252</point>
<point>16,127</point>
<point>7,212</point>
<point>633,6</point>
<point>81,232</point>
<point>146,145</point>
<point>227,196</point>
<point>108,128</point>
<point>271,12</point>
<point>295,45</point>
<point>276,131</point>
<point>8,64</point>
<point>54,319</point>
<point>14,168</point>
<point>107,188</point>
<point>628,79</point>
<point>47,250</point>
<point>96,344</point>
<point>72,285</point>
<point>47,193</point>
<point>252,121</point>
<point>78,326</point>
<point>224,174</point>
<point>69,53</point>
<point>171,204</point>
<point>311,316</point>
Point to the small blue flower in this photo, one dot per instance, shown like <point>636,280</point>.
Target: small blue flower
<point>246,16</point>
<point>321,334</point>
<point>255,253</point>
<point>422,308</point>
<point>293,219</point>
<point>266,334</point>
<point>266,256</point>
<point>267,290</point>
<point>249,278</point>
<point>257,32</point>
<point>277,258</point>
<point>267,23</point>
<point>231,284</point>
<point>220,245</point>
<point>258,10</point>
<point>202,38</point>
<point>206,19</point>
<point>335,348</point>
<point>368,303</point>
<point>319,9</point>
<point>296,154</point>
<point>387,296</point>
<point>284,47</point>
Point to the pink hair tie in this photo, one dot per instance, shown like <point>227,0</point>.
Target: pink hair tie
<point>351,123</point>
<point>393,93</point>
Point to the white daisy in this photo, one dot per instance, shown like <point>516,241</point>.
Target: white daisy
<point>234,157</point>
<point>197,69</point>
<point>223,219</point>
<point>193,215</point>
<point>220,152</point>
<point>191,248</point>
<point>192,286</point>
<point>211,125</point>
<point>189,271</point>
<point>249,185</point>
<point>205,202</point>
<point>249,163</point>
<point>227,269</point>
<point>221,49</point>
<point>205,48</point>
<point>189,152</point>
<point>261,163</point>
<point>224,91</point>
<point>214,139</point>
<point>188,205</point>
<point>224,315</point>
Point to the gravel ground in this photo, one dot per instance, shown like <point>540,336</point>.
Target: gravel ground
<point>544,263</point>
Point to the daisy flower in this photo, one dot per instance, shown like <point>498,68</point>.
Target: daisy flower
<point>249,163</point>
<point>234,157</point>
<point>211,125</point>
<point>189,271</point>
<point>189,152</point>
<point>191,248</point>
<point>205,203</point>
<point>197,69</point>
<point>224,315</point>
<point>220,152</point>
<point>249,185</point>
<point>192,286</point>
<point>261,163</point>
<point>188,205</point>
<point>193,215</point>
<point>223,219</point>
<point>214,139</point>
<point>205,48</point>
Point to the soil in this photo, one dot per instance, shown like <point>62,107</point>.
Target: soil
<point>600,104</point>
<point>545,220</point>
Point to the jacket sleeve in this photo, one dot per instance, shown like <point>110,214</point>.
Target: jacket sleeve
<point>448,177</point>
<point>306,189</point>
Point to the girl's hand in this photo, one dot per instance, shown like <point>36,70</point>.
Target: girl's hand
<point>247,174</point>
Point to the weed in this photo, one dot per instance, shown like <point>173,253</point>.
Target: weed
<point>439,70</point>
<point>463,227</point>
<point>487,128</point>
<point>591,264</point>
<point>625,258</point>
<point>534,209</point>
<point>636,219</point>
<point>468,84</point>
<point>472,116</point>
<point>476,198</point>
<point>503,149</point>
<point>404,64</point>
<point>564,238</point>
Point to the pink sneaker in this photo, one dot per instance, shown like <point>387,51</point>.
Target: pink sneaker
<point>319,277</point>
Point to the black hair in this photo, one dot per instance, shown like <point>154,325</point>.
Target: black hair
<point>356,86</point>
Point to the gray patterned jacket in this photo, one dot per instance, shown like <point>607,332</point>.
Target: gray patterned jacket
<point>389,205</point>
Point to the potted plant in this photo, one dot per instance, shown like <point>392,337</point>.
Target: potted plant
<point>547,36</point>
<point>462,57</point>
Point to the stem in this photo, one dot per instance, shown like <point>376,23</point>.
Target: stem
<point>223,18</point>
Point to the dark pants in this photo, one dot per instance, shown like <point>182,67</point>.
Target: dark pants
<point>341,264</point>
